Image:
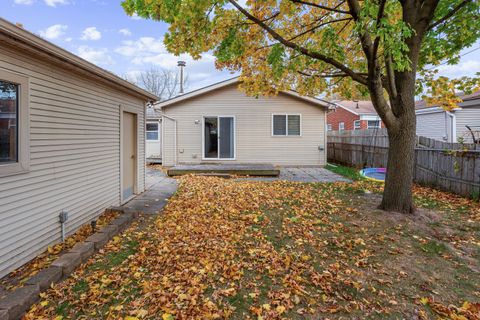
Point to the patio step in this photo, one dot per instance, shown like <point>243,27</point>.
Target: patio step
<point>229,169</point>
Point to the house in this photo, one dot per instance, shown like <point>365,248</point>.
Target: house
<point>72,140</point>
<point>450,126</point>
<point>153,141</point>
<point>220,124</point>
<point>353,115</point>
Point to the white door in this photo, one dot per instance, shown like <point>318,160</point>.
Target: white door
<point>129,154</point>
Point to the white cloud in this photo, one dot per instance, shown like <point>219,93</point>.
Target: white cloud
<point>144,46</point>
<point>463,68</point>
<point>25,2</point>
<point>53,3</point>
<point>125,32</point>
<point>54,32</point>
<point>135,17</point>
<point>91,33</point>
<point>96,56</point>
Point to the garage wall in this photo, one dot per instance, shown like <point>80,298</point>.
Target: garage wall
<point>74,157</point>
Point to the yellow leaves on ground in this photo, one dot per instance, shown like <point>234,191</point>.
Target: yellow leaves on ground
<point>260,250</point>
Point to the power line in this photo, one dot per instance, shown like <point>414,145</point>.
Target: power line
<point>464,54</point>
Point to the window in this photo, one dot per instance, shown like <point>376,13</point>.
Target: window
<point>341,126</point>
<point>373,124</point>
<point>13,123</point>
<point>329,127</point>
<point>286,125</point>
<point>152,131</point>
<point>357,125</point>
<point>8,122</point>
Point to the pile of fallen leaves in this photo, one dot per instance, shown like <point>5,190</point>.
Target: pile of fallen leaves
<point>261,250</point>
<point>17,277</point>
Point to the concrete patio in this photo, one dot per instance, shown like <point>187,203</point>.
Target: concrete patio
<point>159,187</point>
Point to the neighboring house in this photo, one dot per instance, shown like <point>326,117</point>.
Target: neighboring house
<point>220,124</point>
<point>71,137</point>
<point>153,136</point>
<point>353,115</point>
<point>450,126</point>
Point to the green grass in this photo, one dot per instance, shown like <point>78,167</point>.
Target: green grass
<point>116,258</point>
<point>347,172</point>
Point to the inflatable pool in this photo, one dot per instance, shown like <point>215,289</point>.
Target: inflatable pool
<point>374,174</point>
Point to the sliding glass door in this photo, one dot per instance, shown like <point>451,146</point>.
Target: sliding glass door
<point>219,137</point>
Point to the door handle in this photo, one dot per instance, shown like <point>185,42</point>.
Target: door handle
<point>132,157</point>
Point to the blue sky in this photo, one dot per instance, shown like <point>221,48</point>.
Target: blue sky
<point>101,32</point>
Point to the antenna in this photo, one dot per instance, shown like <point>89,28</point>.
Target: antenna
<point>181,64</point>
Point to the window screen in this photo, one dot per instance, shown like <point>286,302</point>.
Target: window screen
<point>294,125</point>
<point>372,124</point>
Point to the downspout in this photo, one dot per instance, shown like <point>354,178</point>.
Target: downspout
<point>174,137</point>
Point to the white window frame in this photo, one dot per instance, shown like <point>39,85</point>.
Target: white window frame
<point>329,127</point>
<point>359,122</point>
<point>23,123</point>
<point>286,125</point>
<point>234,138</point>
<point>374,127</point>
<point>158,131</point>
<point>342,127</point>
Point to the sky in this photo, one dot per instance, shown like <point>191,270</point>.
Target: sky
<point>102,33</point>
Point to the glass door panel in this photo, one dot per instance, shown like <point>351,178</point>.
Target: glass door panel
<point>226,138</point>
<point>211,138</point>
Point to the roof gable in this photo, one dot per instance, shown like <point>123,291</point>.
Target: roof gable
<point>231,82</point>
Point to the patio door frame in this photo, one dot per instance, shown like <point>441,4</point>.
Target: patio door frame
<point>218,138</point>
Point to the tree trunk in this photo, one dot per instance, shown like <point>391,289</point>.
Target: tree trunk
<point>397,195</point>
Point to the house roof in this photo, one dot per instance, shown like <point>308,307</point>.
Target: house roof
<point>29,41</point>
<point>363,107</point>
<point>468,100</point>
<point>222,84</point>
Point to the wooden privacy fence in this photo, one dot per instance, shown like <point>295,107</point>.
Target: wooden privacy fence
<point>452,167</point>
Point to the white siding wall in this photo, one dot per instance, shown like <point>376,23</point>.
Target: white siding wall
<point>432,125</point>
<point>467,116</point>
<point>75,156</point>
<point>254,142</point>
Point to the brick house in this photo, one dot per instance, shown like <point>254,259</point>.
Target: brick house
<point>353,115</point>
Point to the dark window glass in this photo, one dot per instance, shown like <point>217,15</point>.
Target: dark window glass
<point>152,131</point>
<point>8,122</point>
<point>279,125</point>
<point>211,137</point>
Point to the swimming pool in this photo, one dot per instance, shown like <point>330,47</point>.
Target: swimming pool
<point>374,174</point>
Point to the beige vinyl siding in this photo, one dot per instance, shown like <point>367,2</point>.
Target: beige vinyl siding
<point>253,129</point>
<point>467,116</point>
<point>74,157</point>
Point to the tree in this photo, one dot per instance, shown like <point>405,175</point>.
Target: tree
<point>163,83</point>
<point>351,47</point>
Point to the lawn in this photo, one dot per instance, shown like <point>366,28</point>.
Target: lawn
<point>271,250</point>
